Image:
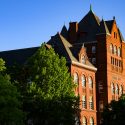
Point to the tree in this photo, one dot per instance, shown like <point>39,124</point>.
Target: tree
<point>10,106</point>
<point>114,113</point>
<point>50,98</point>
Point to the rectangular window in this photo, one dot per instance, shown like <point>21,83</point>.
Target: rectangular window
<point>84,102</point>
<point>93,60</point>
<point>93,49</point>
<point>91,102</point>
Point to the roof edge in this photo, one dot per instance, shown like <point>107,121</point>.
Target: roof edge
<point>85,66</point>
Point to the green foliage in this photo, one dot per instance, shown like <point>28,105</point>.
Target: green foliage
<point>2,65</point>
<point>114,113</point>
<point>10,112</point>
<point>50,98</point>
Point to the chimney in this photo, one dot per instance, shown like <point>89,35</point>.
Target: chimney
<point>73,30</point>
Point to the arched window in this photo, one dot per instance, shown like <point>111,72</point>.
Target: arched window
<point>119,51</point>
<point>91,121</point>
<point>116,89</point>
<point>84,121</point>
<point>112,88</point>
<point>83,60</point>
<point>83,81</point>
<point>76,79</point>
<point>90,82</point>
<point>83,101</point>
<point>91,102</point>
<point>111,48</point>
<point>115,50</point>
<point>121,90</point>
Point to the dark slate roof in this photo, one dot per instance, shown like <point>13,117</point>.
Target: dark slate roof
<point>103,29</point>
<point>109,24</point>
<point>121,36</point>
<point>18,56</point>
<point>89,24</point>
<point>65,49</point>
<point>61,46</point>
<point>64,32</point>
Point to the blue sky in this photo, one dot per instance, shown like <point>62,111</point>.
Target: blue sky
<point>28,23</point>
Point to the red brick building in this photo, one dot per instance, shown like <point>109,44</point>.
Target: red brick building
<point>95,54</point>
<point>106,50</point>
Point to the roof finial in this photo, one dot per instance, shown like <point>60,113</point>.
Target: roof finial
<point>90,7</point>
<point>113,17</point>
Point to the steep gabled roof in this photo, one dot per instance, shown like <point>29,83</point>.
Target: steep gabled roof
<point>90,18</point>
<point>120,34</point>
<point>103,29</point>
<point>109,24</point>
<point>65,49</point>
<point>64,32</point>
<point>62,47</point>
<point>89,24</point>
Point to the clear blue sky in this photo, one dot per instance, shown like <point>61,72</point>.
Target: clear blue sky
<point>28,23</point>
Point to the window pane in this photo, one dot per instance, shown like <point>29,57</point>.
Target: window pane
<point>83,101</point>
<point>91,102</point>
<point>84,122</point>
<point>83,59</point>
<point>76,80</point>
<point>115,50</point>
<point>91,121</point>
<point>116,89</point>
<point>83,81</point>
<point>94,60</point>
<point>119,51</point>
<point>90,82</point>
<point>121,90</point>
<point>112,88</point>
<point>111,48</point>
<point>93,49</point>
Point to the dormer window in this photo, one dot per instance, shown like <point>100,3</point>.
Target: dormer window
<point>83,60</point>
